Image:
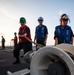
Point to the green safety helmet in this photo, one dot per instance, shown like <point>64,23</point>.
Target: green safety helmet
<point>22,20</point>
<point>15,33</point>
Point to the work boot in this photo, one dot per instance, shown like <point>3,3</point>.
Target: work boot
<point>17,61</point>
<point>22,56</point>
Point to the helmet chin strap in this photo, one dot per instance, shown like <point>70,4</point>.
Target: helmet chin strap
<point>69,20</point>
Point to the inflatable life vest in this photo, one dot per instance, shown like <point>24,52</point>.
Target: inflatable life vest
<point>40,33</point>
<point>21,32</point>
<point>64,35</point>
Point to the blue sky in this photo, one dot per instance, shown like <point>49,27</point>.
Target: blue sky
<point>50,10</point>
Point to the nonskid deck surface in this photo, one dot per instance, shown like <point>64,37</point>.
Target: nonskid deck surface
<point>6,60</point>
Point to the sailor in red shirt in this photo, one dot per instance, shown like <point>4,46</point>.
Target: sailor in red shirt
<point>15,39</point>
<point>24,44</point>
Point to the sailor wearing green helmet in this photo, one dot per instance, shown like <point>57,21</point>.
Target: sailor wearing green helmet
<point>15,40</point>
<point>24,31</point>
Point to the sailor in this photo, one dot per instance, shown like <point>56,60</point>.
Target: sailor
<point>41,33</point>
<point>63,32</point>
<point>24,31</point>
<point>3,42</point>
<point>15,39</point>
